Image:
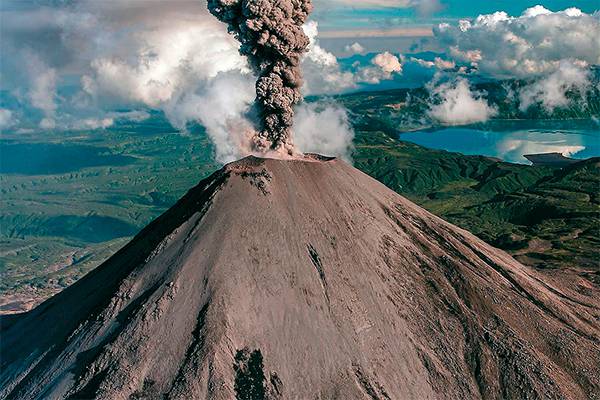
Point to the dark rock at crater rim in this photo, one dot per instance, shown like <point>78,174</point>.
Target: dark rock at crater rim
<point>304,279</point>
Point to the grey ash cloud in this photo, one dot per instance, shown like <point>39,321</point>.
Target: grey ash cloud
<point>272,38</point>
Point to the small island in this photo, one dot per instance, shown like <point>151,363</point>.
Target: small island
<point>556,160</point>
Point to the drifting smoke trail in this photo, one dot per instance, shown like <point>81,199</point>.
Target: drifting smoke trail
<point>271,36</point>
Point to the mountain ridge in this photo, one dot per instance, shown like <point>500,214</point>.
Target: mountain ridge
<point>302,279</point>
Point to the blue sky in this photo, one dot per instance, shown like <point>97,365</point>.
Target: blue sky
<point>333,17</point>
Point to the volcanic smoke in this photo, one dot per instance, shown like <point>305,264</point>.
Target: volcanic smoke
<point>272,38</point>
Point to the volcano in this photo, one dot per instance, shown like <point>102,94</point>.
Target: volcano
<point>304,279</point>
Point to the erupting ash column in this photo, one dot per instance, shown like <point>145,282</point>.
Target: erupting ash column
<point>271,36</point>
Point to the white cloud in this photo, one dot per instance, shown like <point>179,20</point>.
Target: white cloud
<point>166,62</point>
<point>7,118</point>
<point>193,72</point>
<point>388,62</point>
<point>384,66</point>
<point>315,52</point>
<point>127,57</point>
<point>442,64</point>
<point>220,106</point>
<point>323,128</point>
<point>43,91</point>
<point>529,45</point>
<point>552,50</point>
<point>323,73</point>
<point>47,123</point>
<point>438,63</point>
<point>551,91</point>
<point>535,11</point>
<point>354,48</point>
<point>94,123</point>
<point>42,87</point>
<point>171,56</point>
<point>512,148</point>
<point>134,116</point>
<point>423,63</point>
<point>454,103</point>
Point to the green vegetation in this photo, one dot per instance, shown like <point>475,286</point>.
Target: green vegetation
<point>548,218</point>
<point>58,223</point>
<point>401,110</point>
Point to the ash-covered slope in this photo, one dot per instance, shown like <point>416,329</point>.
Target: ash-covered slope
<point>304,279</point>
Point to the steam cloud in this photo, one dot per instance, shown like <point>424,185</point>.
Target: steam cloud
<point>272,38</point>
<point>456,104</point>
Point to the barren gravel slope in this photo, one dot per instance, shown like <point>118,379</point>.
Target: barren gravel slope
<point>304,279</point>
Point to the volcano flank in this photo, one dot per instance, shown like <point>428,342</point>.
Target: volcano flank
<point>304,279</point>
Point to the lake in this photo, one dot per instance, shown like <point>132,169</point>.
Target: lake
<point>53,158</point>
<point>510,140</point>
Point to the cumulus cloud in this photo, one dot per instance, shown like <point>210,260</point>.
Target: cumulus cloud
<point>126,57</point>
<point>383,67</point>
<point>552,50</point>
<point>551,91</point>
<point>323,74</point>
<point>354,48</point>
<point>42,87</point>
<point>7,118</point>
<point>388,62</point>
<point>438,63</point>
<point>167,60</point>
<point>93,123</point>
<point>192,71</point>
<point>454,103</point>
<point>529,45</point>
<point>324,128</point>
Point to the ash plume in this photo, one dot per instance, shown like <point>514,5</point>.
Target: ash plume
<point>272,38</point>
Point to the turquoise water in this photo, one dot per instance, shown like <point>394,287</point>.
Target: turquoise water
<point>510,142</point>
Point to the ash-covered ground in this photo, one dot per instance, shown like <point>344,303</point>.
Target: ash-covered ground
<point>304,279</point>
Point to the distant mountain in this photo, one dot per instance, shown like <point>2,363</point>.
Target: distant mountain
<point>407,109</point>
<point>504,96</point>
<point>552,223</point>
<point>304,279</point>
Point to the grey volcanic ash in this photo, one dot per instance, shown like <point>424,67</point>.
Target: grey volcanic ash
<point>272,38</point>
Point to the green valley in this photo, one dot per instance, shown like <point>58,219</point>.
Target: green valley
<point>58,224</point>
